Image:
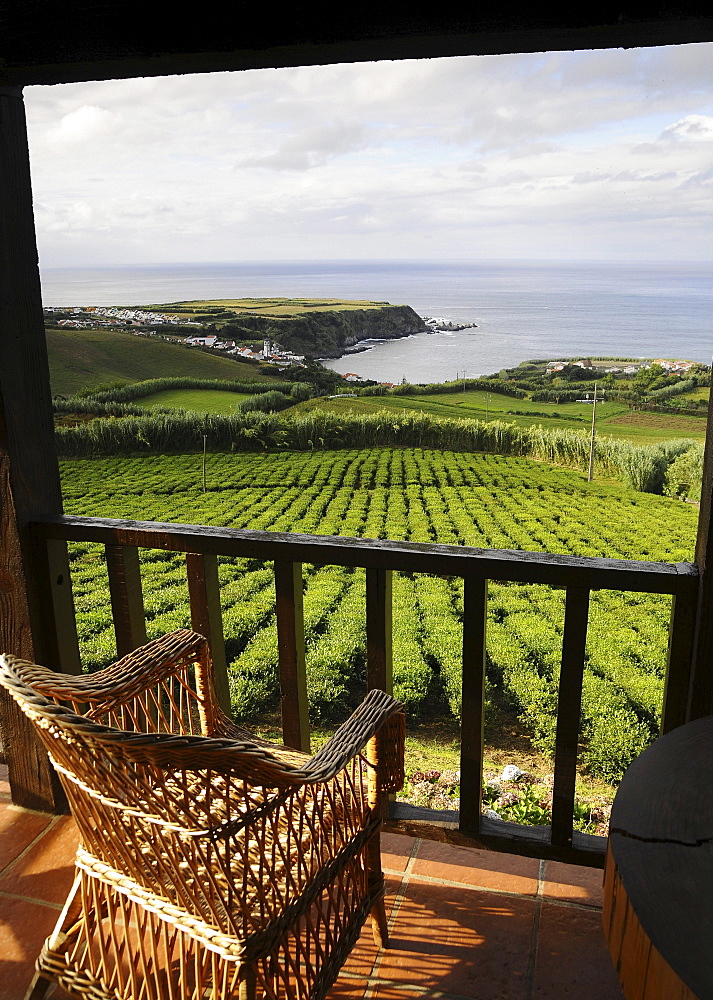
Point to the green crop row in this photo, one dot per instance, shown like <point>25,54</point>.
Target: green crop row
<point>403,494</point>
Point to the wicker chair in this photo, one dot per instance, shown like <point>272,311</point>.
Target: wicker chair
<point>211,863</point>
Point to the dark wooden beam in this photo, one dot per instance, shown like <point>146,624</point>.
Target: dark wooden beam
<point>207,617</point>
<point>569,706</point>
<point>681,634</point>
<point>127,600</point>
<point>379,632</point>
<point>28,464</point>
<point>701,692</point>
<point>50,42</point>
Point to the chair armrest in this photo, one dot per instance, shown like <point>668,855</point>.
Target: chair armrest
<point>378,715</point>
<point>380,718</point>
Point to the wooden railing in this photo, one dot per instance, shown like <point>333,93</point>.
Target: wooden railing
<point>577,575</point>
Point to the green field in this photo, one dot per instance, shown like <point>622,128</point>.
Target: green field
<point>702,392</point>
<point>269,308</point>
<point>197,400</point>
<point>458,498</point>
<point>83,360</point>
<point>615,419</point>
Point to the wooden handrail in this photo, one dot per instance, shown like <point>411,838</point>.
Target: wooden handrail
<point>409,557</point>
<point>577,575</point>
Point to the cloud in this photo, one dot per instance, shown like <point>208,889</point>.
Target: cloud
<point>623,176</point>
<point>692,128</point>
<point>84,124</point>
<point>313,147</point>
<point>423,157</point>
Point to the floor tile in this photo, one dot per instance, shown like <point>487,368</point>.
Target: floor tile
<point>486,869</point>
<point>347,989</point>
<point>459,940</point>
<point>18,828</point>
<point>361,961</point>
<point>23,929</point>
<point>395,851</point>
<point>573,883</point>
<point>47,871</point>
<point>572,958</point>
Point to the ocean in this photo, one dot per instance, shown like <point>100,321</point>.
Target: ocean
<point>522,309</point>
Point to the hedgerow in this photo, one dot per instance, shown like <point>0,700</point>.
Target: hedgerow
<point>136,390</point>
<point>641,466</point>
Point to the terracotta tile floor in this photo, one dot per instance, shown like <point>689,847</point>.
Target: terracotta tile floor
<point>464,923</point>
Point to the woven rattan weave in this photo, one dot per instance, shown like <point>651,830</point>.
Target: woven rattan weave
<point>211,864</point>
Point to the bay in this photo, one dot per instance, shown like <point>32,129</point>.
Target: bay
<point>523,309</point>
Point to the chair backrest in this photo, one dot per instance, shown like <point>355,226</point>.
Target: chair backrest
<point>151,797</point>
<point>165,686</point>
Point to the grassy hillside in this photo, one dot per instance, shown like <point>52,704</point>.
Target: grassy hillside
<point>197,400</point>
<point>613,418</point>
<point>86,359</point>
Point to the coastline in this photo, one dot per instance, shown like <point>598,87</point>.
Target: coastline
<point>362,346</point>
<point>523,309</point>
<point>369,343</point>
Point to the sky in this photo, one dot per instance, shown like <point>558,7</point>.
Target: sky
<point>569,155</point>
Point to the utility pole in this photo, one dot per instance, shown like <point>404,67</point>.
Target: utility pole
<point>590,477</point>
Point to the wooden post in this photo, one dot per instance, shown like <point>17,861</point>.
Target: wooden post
<point>29,475</point>
<point>127,600</point>
<point>207,617</point>
<point>291,654</point>
<point>700,701</point>
<point>680,646</point>
<point>379,659</point>
<point>568,711</point>
<point>475,607</point>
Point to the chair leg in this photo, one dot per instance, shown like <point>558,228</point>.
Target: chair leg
<point>247,983</point>
<point>379,925</point>
<point>40,983</point>
<point>38,987</point>
<point>376,877</point>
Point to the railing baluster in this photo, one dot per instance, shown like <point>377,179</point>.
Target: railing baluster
<point>291,655</point>
<point>58,645</point>
<point>379,658</point>
<point>475,607</point>
<point>568,711</point>
<point>680,653</point>
<point>127,599</point>
<point>207,618</point>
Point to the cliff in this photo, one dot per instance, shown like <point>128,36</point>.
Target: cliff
<point>328,333</point>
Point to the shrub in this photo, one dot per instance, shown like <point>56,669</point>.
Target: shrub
<point>684,475</point>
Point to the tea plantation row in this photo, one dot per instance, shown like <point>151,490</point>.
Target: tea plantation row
<point>457,498</point>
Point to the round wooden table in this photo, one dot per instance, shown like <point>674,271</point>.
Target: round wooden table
<point>658,884</point>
